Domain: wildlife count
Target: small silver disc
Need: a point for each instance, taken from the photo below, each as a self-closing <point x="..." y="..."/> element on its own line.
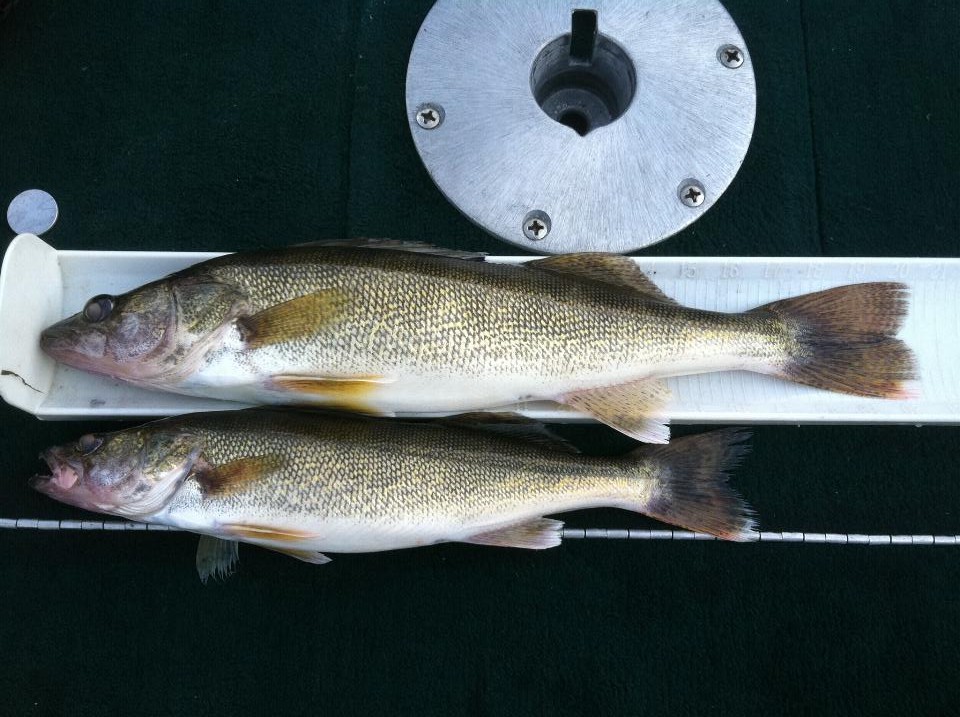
<point x="32" y="212"/>
<point x="623" y="121"/>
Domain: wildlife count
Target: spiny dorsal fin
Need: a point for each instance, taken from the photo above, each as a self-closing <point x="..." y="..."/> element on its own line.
<point x="513" y="425"/>
<point x="297" y="318"/>
<point x="417" y="247"/>
<point x="216" y="557"/>
<point x="233" y="476"/>
<point x="637" y="409"/>
<point x="537" y="534"/>
<point x="607" y="268"/>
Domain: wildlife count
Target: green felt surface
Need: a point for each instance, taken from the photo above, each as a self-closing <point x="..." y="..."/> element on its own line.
<point x="230" y="125"/>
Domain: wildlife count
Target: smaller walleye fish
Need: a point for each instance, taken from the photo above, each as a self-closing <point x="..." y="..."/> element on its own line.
<point x="301" y="483"/>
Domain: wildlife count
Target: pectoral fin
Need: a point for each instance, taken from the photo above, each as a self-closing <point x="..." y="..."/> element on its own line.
<point x="538" y="534"/>
<point x="216" y="557"/>
<point x="295" y="319"/>
<point x="636" y="409"/>
<point x="608" y="268"/>
<point x="229" y="478"/>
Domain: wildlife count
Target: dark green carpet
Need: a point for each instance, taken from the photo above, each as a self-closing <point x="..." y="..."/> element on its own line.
<point x="231" y="125"/>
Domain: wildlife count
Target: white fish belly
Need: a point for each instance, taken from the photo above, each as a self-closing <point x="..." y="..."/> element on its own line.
<point x="362" y="535"/>
<point x="334" y="536"/>
<point x="233" y="376"/>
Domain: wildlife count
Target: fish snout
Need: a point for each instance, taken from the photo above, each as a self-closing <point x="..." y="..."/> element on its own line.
<point x="53" y="341"/>
<point x="66" y="344"/>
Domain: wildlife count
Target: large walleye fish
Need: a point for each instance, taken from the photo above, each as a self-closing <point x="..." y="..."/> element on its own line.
<point x="300" y="483"/>
<point x="389" y="327"/>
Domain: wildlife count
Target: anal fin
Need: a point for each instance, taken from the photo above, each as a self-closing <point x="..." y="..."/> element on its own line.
<point x="637" y="409"/>
<point x="216" y="557"/>
<point x="537" y="534"/>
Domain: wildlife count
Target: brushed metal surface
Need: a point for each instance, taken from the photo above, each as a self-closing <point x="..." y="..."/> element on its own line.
<point x="498" y="156"/>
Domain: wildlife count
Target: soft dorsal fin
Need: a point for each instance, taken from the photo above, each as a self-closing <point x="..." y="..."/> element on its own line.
<point x="417" y="247"/>
<point x="513" y="425"/>
<point x="291" y="320"/>
<point x="607" y="268"/>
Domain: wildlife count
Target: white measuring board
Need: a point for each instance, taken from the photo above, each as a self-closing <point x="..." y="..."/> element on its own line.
<point x="40" y="285"/>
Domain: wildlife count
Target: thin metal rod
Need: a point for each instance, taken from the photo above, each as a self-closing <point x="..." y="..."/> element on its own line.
<point x="37" y="524"/>
<point x="766" y="536"/>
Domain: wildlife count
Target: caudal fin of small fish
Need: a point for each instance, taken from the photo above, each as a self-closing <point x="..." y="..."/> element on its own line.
<point x="692" y="490"/>
<point x="844" y="339"/>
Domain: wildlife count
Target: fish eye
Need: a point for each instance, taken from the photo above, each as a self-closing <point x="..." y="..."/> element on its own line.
<point x="98" y="308"/>
<point x="88" y="444"/>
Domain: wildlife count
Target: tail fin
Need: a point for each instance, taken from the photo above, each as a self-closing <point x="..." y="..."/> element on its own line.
<point x="844" y="339"/>
<point x="691" y="488"/>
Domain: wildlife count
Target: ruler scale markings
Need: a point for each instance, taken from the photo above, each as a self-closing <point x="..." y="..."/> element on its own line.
<point x="765" y="536"/>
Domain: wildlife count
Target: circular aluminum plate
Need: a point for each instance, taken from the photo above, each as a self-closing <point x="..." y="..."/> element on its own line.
<point x="495" y="152"/>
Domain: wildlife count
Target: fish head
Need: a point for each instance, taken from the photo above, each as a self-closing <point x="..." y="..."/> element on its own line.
<point x="147" y="335"/>
<point x="132" y="473"/>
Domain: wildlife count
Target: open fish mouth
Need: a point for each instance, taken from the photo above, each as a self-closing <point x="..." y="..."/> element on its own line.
<point x="64" y="481"/>
<point x="62" y="476"/>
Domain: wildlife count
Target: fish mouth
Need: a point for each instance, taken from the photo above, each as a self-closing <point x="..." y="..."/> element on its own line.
<point x="63" y="474"/>
<point x="63" y="343"/>
<point x="56" y="340"/>
<point x="64" y="482"/>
